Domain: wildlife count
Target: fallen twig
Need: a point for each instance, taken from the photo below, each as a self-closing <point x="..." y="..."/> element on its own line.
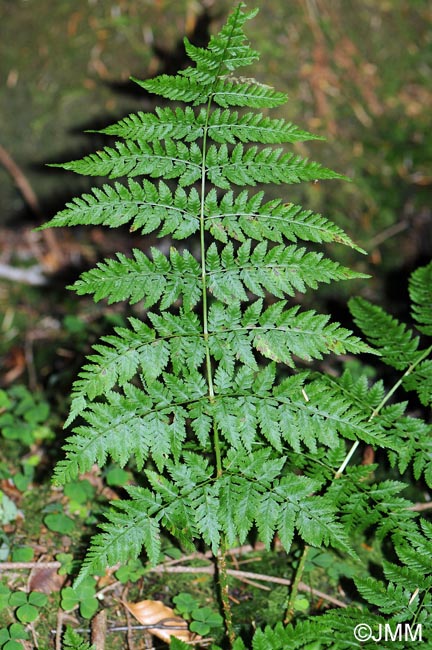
<point x="130" y="627"/>
<point x="420" y="507"/>
<point x="32" y="275"/>
<point x="32" y="201"/>
<point x="12" y="566"/>
<point x="252" y="576"/>
<point x="20" y="181"/>
<point x="170" y="568"/>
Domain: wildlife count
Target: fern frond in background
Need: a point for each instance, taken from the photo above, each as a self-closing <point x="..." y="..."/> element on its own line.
<point x="208" y="395"/>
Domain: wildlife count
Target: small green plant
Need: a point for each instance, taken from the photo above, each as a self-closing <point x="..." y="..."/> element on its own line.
<point x="25" y="419"/>
<point x="59" y="522"/>
<point x="115" y="476"/>
<point x="10" y="637"/>
<point x="79" y="492"/>
<point x="209" y="395"/>
<point x="67" y="563"/>
<point x="130" y="572"/>
<point x="83" y="595"/>
<point x="22" y="554"/>
<point x="27" y="607"/>
<point x="24" y="416"/>
<point x="28" y="604"/>
<point x="5" y="592"/>
<point x="80" y="495"/>
<point x="203" y="620"/>
<point x="73" y="641"/>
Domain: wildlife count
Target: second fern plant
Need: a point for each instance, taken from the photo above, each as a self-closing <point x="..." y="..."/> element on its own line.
<point x="207" y="396"/>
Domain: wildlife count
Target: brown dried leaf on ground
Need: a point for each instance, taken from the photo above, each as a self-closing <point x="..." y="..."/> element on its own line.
<point x="167" y="623"/>
<point x="46" y="579"/>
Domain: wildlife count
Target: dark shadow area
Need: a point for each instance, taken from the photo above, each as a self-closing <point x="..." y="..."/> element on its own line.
<point x="172" y="59"/>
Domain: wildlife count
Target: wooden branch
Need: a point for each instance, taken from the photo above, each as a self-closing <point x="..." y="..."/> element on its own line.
<point x="29" y="196"/>
<point x="170" y="567"/>
<point x="252" y="576"/>
<point x="32" y="275"/>
<point x="20" y="181"/>
<point x="420" y="507"/>
<point x="12" y="566"/>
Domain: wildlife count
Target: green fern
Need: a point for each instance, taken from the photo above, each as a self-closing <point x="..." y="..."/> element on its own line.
<point x="420" y="290"/>
<point x="73" y="641"/>
<point x="207" y="395"/>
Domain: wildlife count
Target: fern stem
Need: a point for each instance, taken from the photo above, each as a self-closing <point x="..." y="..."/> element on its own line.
<point x="209" y="370"/>
<point x="347" y="459"/>
<point x="295" y="586"/>
<point x="224" y="594"/>
<point x="407" y="372"/>
<point x="221" y="556"/>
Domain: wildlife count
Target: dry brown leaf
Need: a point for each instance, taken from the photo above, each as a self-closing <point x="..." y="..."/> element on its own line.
<point x="15" y="363"/>
<point x="46" y="579"/>
<point x="7" y="486"/>
<point x="167" y="623"/>
<point x="99" y="630"/>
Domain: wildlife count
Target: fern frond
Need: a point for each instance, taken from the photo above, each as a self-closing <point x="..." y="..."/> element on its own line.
<point x="308" y="335"/>
<point x="184" y="338"/>
<point x="205" y="507"/>
<point x="117" y="362"/>
<point x="170" y="160"/>
<point x="131" y="525"/>
<point x="330" y="411"/>
<point x="416" y="554"/>
<point x="177" y="160"/>
<point x="283" y="417"/>
<point x="224" y="92"/>
<point x="395" y="342"/>
<point x="193" y="395"/>
<point x="276" y="333"/>
<point x="246" y="93"/>
<point x="177" y="124"/>
<point x="304" y="635"/>
<point x="318" y="525"/>
<point x="226" y="51"/>
<point x="420" y="290"/>
<point x="420" y="380"/>
<point x="73" y="641"/>
<point x="148" y="206"/>
<point x="141" y="278"/>
<point x="221" y="126"/>
<point x="229" y="49"/>
<point x="229" y="126"/>
<point x="260" y="165"/>
<point x="138" y="351"/>
<point x="413" y="436"/>
<point x="280" y="271"/>
<point x="243" y="216"/>
<point x="176" y="88"/>
<point x="127" y="426"/>
<point x="366" y="506"/>
<point x="272" y="508"/>
<point x="407" y="577"/>
<point x="359" y="390"/>
<point x="389" y="598"/>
